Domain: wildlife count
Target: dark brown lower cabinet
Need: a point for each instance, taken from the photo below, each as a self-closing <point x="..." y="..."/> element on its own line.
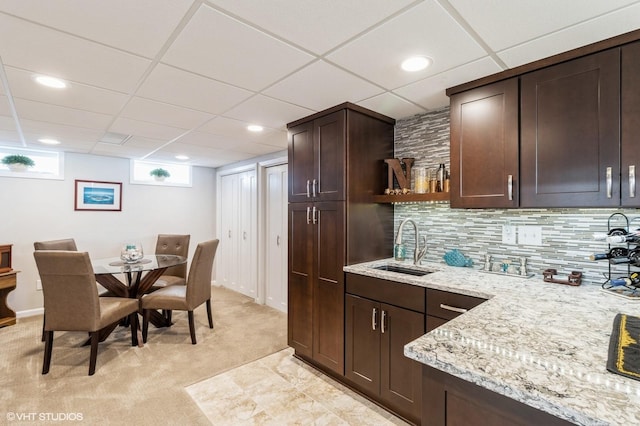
<point x="450" y="401"/>
<point x="375" y="335"/>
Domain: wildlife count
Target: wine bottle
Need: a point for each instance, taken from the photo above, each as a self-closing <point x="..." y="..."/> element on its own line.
<point x="440" y="175"/>
<point x="633" y="258"/>
<point x="614" y="253"/>
<point x="599" y="236"/>
<point x="632" y="280"/>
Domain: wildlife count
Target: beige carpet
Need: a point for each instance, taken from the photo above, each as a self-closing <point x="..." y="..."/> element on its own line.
<point x="133" y="385"/>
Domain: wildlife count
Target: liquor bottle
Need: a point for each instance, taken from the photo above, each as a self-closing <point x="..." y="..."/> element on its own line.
<point x="440" y="175"/>
<point x="632" y="280"/>
<point x="599" y="236"/>
<point x="632" y="258"/>
<point x="614" y="253"/>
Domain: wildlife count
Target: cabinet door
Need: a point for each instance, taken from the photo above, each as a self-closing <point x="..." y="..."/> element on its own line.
<point x="630" y="124"/>
<point x="362" y="337"/>
<point x="246" y="258"/>
<point x="300" y="287"/>
<point x="330" y="157"/>
<point x="301" y="162"/>
<point x="328" y="291"/>
<point x="484" y="146"/>
<point x="401" y="381"/>
<point x="570" y="143"/>
<point x="226" y="269"/>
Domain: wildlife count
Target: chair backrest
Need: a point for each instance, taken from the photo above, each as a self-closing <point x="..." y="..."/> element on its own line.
<point x="174" y="244"/>
<point x="199" y="281"/>
<point x="66" y="244"/>
<point x="70" y="292"/>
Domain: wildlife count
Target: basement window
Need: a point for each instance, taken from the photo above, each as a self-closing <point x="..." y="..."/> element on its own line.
<point x="179" y="174"/>
<point x="48" y="164"/>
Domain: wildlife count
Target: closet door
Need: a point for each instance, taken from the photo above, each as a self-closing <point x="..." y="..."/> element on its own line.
<point x="276" y="241"/>
<point x="246" y="259"/>
<point x="227" y="269"/>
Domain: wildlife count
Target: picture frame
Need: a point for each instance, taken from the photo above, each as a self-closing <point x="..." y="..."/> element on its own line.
<point x="93" y="195"/>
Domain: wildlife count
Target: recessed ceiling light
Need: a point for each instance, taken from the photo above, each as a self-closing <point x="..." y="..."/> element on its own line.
<point x="255" y="128"/>
<point x="416" y="63"/>
<point x="182" y="157"/>
<point x="49" y="141"/>
<point x="56" y="83"/>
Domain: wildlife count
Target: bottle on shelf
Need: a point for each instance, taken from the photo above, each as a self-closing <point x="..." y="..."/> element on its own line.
<point x="618" y="236"/>
<point x="614" y="253"/>
<point x="440" y="175"/>
<point x="633" y="280"/>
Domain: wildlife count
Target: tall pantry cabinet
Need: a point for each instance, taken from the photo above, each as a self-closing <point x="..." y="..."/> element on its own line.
<point x="336" y="166"/>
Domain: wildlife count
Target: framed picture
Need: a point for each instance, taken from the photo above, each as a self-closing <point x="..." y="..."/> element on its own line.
<point x="98" y="196"/>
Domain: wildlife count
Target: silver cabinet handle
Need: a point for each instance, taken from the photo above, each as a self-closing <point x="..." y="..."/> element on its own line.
<point x="244" y="235"/>
<point x="315" y="220"/>
<point x="313" y="187"/>
<point x="609" y="182"/>
<point x="308" y="215"/>
<point x="229" y="233"/>
<point x="384" y="315"/>
<point x="510" y="187"/>
<point x="308" y="193"/>
<point x="278" y="240"/>
<point x="632" y="181"/>
<point x="374" y="313"/>
<point x="452" y="308"/>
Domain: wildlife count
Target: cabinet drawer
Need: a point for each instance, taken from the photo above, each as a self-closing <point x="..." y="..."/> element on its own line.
<point x="444" y="304"/>
<point x="398" y="294"/>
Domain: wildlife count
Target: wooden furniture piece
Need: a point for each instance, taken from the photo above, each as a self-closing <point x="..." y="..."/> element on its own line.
<point x="484" y="146"/>
<point x="72" y="303"/>
<point x="381" y="317"/>
<point x="8" y="282"/>
<point x="443" y="306"/>
<point x="336" y="166"/>
<point x="5" y="258"/>
<point x="185" y="297"/>
<point x="449" y="401"/>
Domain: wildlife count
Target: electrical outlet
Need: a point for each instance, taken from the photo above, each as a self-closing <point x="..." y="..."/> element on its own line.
<point x="508" y="234"/>
<point x="38" y="285"/>
<point x="530" y="235"/>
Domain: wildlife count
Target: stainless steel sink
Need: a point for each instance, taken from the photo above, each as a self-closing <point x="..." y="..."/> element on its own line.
<point x="402" y="270"/>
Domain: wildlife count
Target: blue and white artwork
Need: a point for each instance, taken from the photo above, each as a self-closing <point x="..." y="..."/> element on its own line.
<point x="100" y="196"/>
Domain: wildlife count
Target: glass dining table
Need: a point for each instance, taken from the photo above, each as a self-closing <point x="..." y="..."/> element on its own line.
<point x="139" y="278"/>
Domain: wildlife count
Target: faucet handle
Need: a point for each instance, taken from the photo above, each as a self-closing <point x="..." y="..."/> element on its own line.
<point x="420" y="252"/>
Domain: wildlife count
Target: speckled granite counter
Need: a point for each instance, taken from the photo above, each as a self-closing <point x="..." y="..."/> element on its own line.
<point x="539" y="343"/>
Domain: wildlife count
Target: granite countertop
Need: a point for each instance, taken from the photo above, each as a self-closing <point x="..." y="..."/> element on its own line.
<point x="539" y="343"/>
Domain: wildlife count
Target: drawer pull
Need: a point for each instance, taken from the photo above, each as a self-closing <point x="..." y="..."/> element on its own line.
<point x="374" y="325"/>
<point x="308" y="215"/>
<point x="452" y="308"/>
<point x="313" y="187"/>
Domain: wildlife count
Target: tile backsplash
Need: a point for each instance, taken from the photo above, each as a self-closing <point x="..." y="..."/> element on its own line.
<point x="567" y="234"/>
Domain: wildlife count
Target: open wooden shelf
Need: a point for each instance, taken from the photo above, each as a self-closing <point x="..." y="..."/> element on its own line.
<point x="433" y="197"/>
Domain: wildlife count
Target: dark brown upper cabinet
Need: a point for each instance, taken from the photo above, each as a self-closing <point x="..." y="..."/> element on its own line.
<point x="570" y="137"/>
<point x="630" y="124"/>
<point x="484" y="146"/>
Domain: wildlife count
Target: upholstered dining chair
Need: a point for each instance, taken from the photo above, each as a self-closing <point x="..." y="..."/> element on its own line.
<point x="179" y="246"/>
<point x="64" y="244"/>
<point x="72" y="304"/>
<point x="188" y="297"/>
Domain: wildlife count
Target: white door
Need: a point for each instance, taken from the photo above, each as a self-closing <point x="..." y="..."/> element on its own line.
<point x="247" y="241"/>
<point x="276" y="244"/>
<point x="227" y="268"/>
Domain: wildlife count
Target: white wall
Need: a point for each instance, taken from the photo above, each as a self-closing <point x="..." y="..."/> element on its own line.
<point x="36" y="210"/>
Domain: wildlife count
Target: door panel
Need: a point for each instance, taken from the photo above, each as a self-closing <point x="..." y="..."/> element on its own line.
<point x="247" y="256"/>
<point x="363" y="343"/>
<point x="276" y="244"/>
<point x="300" y="287"/>
<point x="630" y="125"/>
<point x="330" y="156"/>
<point x="300" y="161"/>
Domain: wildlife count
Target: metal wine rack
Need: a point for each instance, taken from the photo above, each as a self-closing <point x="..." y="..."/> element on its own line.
<point x="626" y="290"/>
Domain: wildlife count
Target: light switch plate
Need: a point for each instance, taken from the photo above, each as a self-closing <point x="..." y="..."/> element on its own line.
<point x="530" y="235"/>
<point x="508" y="234"/>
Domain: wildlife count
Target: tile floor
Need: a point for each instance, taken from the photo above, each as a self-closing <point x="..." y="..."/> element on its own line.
<point x="281" y="390"/>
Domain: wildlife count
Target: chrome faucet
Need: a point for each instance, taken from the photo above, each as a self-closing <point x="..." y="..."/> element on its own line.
<point x="418" y="253"/>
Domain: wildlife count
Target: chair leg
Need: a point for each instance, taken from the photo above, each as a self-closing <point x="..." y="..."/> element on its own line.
<point x="209" y="313"/>
<point x="192" y="328"/>
<point x="48" y="346"/>
<point x="43" y="332"/>
<point x="134" y="328"/>
<point x="145" y="324"/>
<point x="95" y="339"/>
<point x="168" y="317"/>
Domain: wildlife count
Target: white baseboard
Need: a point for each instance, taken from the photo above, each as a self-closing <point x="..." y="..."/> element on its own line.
<point x="30" y="313"/>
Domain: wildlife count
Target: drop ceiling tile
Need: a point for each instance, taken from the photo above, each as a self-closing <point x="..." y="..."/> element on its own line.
<point x="140" y="26"/>
<point x="5" y="109"/>
<point x="9" y="138"/>
<point x="320" y="85"/>
<point x="32" y="47"/>
<point x="610" y="25"/>
<point x="391" y="105"/>
<point x="145" y="129"/>
<point x="177" y="87"/>
<point x="69" y="136"/>
<point x="199" y="155"/>
<point x="316" y="26"/>
<point x="236" y="130"/>
<point x="268" y="112"/>
<point x="161" y="113"/>
<point x="7" y="122"/>
<point x="425" y="29"/>
<point x="430" y="92"/>
<point x="505" y="23"/>
<point x="208" y="140"/>
<point x="257" y="149"/>
<point x="48" y="113"/>
<point x="76" y="95"/>
<point x="242" y="56"/>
